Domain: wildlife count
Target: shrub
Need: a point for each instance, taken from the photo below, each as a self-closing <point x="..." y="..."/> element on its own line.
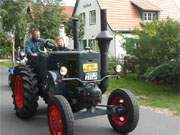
<point x="112" y="63"/>
<point x="130" y="63"/>
<point x="157" y="44"/>
<point x="164" y="73"/>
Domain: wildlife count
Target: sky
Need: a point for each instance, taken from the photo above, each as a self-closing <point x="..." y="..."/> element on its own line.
<point x="70" y="2"/>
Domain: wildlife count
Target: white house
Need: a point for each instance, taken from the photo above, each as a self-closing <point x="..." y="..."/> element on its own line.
<point x="89" y="10"/>
<point x="123" y="16"/>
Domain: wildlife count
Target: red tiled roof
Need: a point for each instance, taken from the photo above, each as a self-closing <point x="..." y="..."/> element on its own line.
<point x="68" y="10"/>
<point x="169" y="8"/>
<point x="145" y="5"/>
<point x="121" y="14"/>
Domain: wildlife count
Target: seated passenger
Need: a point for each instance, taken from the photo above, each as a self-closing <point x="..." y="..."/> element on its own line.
<point x="36" y="43"/>
<point x="60" y="45"/>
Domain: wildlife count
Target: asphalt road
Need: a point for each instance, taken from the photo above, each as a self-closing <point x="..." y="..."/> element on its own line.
<point x="151" y="123"/>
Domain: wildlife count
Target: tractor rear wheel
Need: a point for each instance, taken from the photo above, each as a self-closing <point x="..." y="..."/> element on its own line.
<point x="60" y="116"/>
<point x="127" y="111"/>
<point x="25" y="92"/>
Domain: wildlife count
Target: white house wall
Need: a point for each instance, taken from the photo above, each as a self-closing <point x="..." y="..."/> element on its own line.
<point x="119" y="51"/>
<point x="112" y="47"/>
<point x="91" y="31"/>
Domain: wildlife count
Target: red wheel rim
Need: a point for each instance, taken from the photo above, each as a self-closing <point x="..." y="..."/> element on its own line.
<point x="55" y="120"/>
<point x="119" y="120"/>
<point x="19" y="91"/>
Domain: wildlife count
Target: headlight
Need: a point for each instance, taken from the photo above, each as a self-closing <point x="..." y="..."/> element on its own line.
<point x="63" y="71"/>
<point x="118" y="68"/>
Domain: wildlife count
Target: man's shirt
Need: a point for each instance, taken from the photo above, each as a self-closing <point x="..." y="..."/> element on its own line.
<point x="33" y="46"/>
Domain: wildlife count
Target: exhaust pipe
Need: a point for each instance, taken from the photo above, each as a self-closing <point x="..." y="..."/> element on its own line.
<point x="104" y="38"/>
<point x="75" y="33"/>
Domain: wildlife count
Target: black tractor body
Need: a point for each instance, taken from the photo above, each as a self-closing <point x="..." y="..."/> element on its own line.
<point x="80" y="85"/>
<point x="79" y="63"/>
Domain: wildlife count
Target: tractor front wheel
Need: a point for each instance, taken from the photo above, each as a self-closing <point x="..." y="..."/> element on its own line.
<point x="60" y="116"/>
<point x="126" y="115"/>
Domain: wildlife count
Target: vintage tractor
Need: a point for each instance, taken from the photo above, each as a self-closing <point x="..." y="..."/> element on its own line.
<point x="72" y="84"/>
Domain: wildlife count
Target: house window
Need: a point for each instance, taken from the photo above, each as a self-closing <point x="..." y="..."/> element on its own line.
<point x="83" y="44"/>
<point x="155" y="16"/>
<point x="92" y="17"/>
<point x="145" y="16"/>
<point x="149" y="16"/>
<point x="83" y="17"/>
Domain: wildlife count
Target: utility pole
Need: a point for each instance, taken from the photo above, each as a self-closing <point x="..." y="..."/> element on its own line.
<point x="12" y="36"/>
<point x="13" y="51"/>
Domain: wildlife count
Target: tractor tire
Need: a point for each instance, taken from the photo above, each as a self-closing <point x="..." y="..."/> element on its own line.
<point x="60" y="116"/>
<point x="25" y="92"/>
<point x="126" y="122"/>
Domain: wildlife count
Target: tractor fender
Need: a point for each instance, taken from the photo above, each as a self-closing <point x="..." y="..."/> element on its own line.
<point x="53" y="75"/>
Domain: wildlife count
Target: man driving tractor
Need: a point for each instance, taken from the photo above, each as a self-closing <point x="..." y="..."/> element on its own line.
<point x="36" y="43"/>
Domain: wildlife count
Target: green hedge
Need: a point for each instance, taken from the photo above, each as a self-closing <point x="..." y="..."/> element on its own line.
<point x="156" y="50"/>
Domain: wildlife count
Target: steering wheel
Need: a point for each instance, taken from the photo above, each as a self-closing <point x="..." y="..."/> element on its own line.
<point x="46" y="50"/>
<point x="42" y="51"/>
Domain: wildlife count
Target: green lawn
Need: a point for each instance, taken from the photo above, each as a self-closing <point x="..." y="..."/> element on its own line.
<point x="5" y="63"/>
<point x="161" y="97"/>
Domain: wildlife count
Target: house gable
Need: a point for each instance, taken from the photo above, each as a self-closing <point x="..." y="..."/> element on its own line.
<point x="145" y="5"/>
<point x="121" y="15"/>
<point x="169" y="8"/>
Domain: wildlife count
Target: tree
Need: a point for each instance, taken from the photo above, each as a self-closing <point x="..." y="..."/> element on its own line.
<point x="68" y="27"/>
<point x="14" y="19"/>
<point x="5" y="46"/>
<point x="48" y="19"/>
